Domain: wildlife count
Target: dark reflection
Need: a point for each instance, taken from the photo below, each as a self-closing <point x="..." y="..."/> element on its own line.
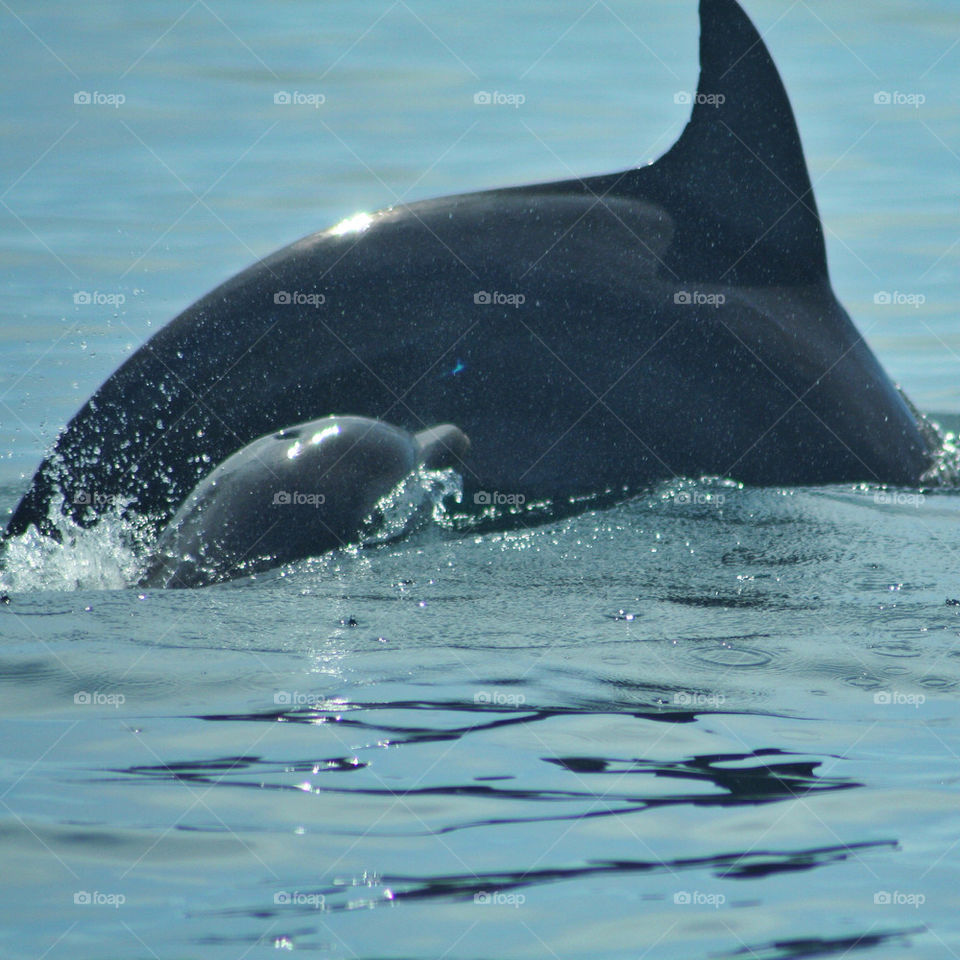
<point x="759" y="777"/>
<point x="763" y="601"/>
<point x="403" y="734"/>
<point x="506" y="715"/>
<point x="731" y="600"/>
<point x="745" y="556"/>
<point x="399" y="888"/>
<point x="207" y="771"/>
<point x="736" y="865"/>
<point x="759" y="783"/>
<point x="822" y="947"/>
<point x="582" y="787"/>
<point x="25" y="671"/>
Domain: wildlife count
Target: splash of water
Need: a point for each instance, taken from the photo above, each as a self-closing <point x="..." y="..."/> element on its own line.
<point x="417" y="501"/>
<point x="107" y="556"/>
<point x="115" y="553"/>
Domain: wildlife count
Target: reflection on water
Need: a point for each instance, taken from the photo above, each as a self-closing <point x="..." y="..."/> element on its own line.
<point x="572" y="735"/>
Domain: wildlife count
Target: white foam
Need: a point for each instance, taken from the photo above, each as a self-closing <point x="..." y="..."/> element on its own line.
<point x="107" y="556"/>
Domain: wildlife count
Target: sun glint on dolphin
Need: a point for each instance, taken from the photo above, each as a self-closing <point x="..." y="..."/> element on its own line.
<point x="589" y="335"/>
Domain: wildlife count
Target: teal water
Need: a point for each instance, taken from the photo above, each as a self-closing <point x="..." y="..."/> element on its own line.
<point x="711" y="722"/>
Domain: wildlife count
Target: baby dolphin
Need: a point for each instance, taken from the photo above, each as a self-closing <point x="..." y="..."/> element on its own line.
<point x="294" y="494"/>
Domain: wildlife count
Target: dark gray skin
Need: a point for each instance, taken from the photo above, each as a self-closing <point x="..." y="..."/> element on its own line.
<point x="298" y="493"/>
<point x="604" y="379"/>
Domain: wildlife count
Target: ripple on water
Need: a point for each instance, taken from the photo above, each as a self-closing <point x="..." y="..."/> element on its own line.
<point x="896" y="649"/>
<point x="726" y="655"/>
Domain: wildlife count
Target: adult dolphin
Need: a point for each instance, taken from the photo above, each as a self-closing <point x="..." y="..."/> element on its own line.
<point x="293" y="494"/>
<point x="588" y="335"/>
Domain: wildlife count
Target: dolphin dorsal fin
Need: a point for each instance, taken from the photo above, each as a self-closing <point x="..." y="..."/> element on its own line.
<point x="736" y="181"/>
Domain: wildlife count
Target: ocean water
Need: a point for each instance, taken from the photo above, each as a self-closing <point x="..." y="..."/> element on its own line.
<point x="708" y="722"/>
